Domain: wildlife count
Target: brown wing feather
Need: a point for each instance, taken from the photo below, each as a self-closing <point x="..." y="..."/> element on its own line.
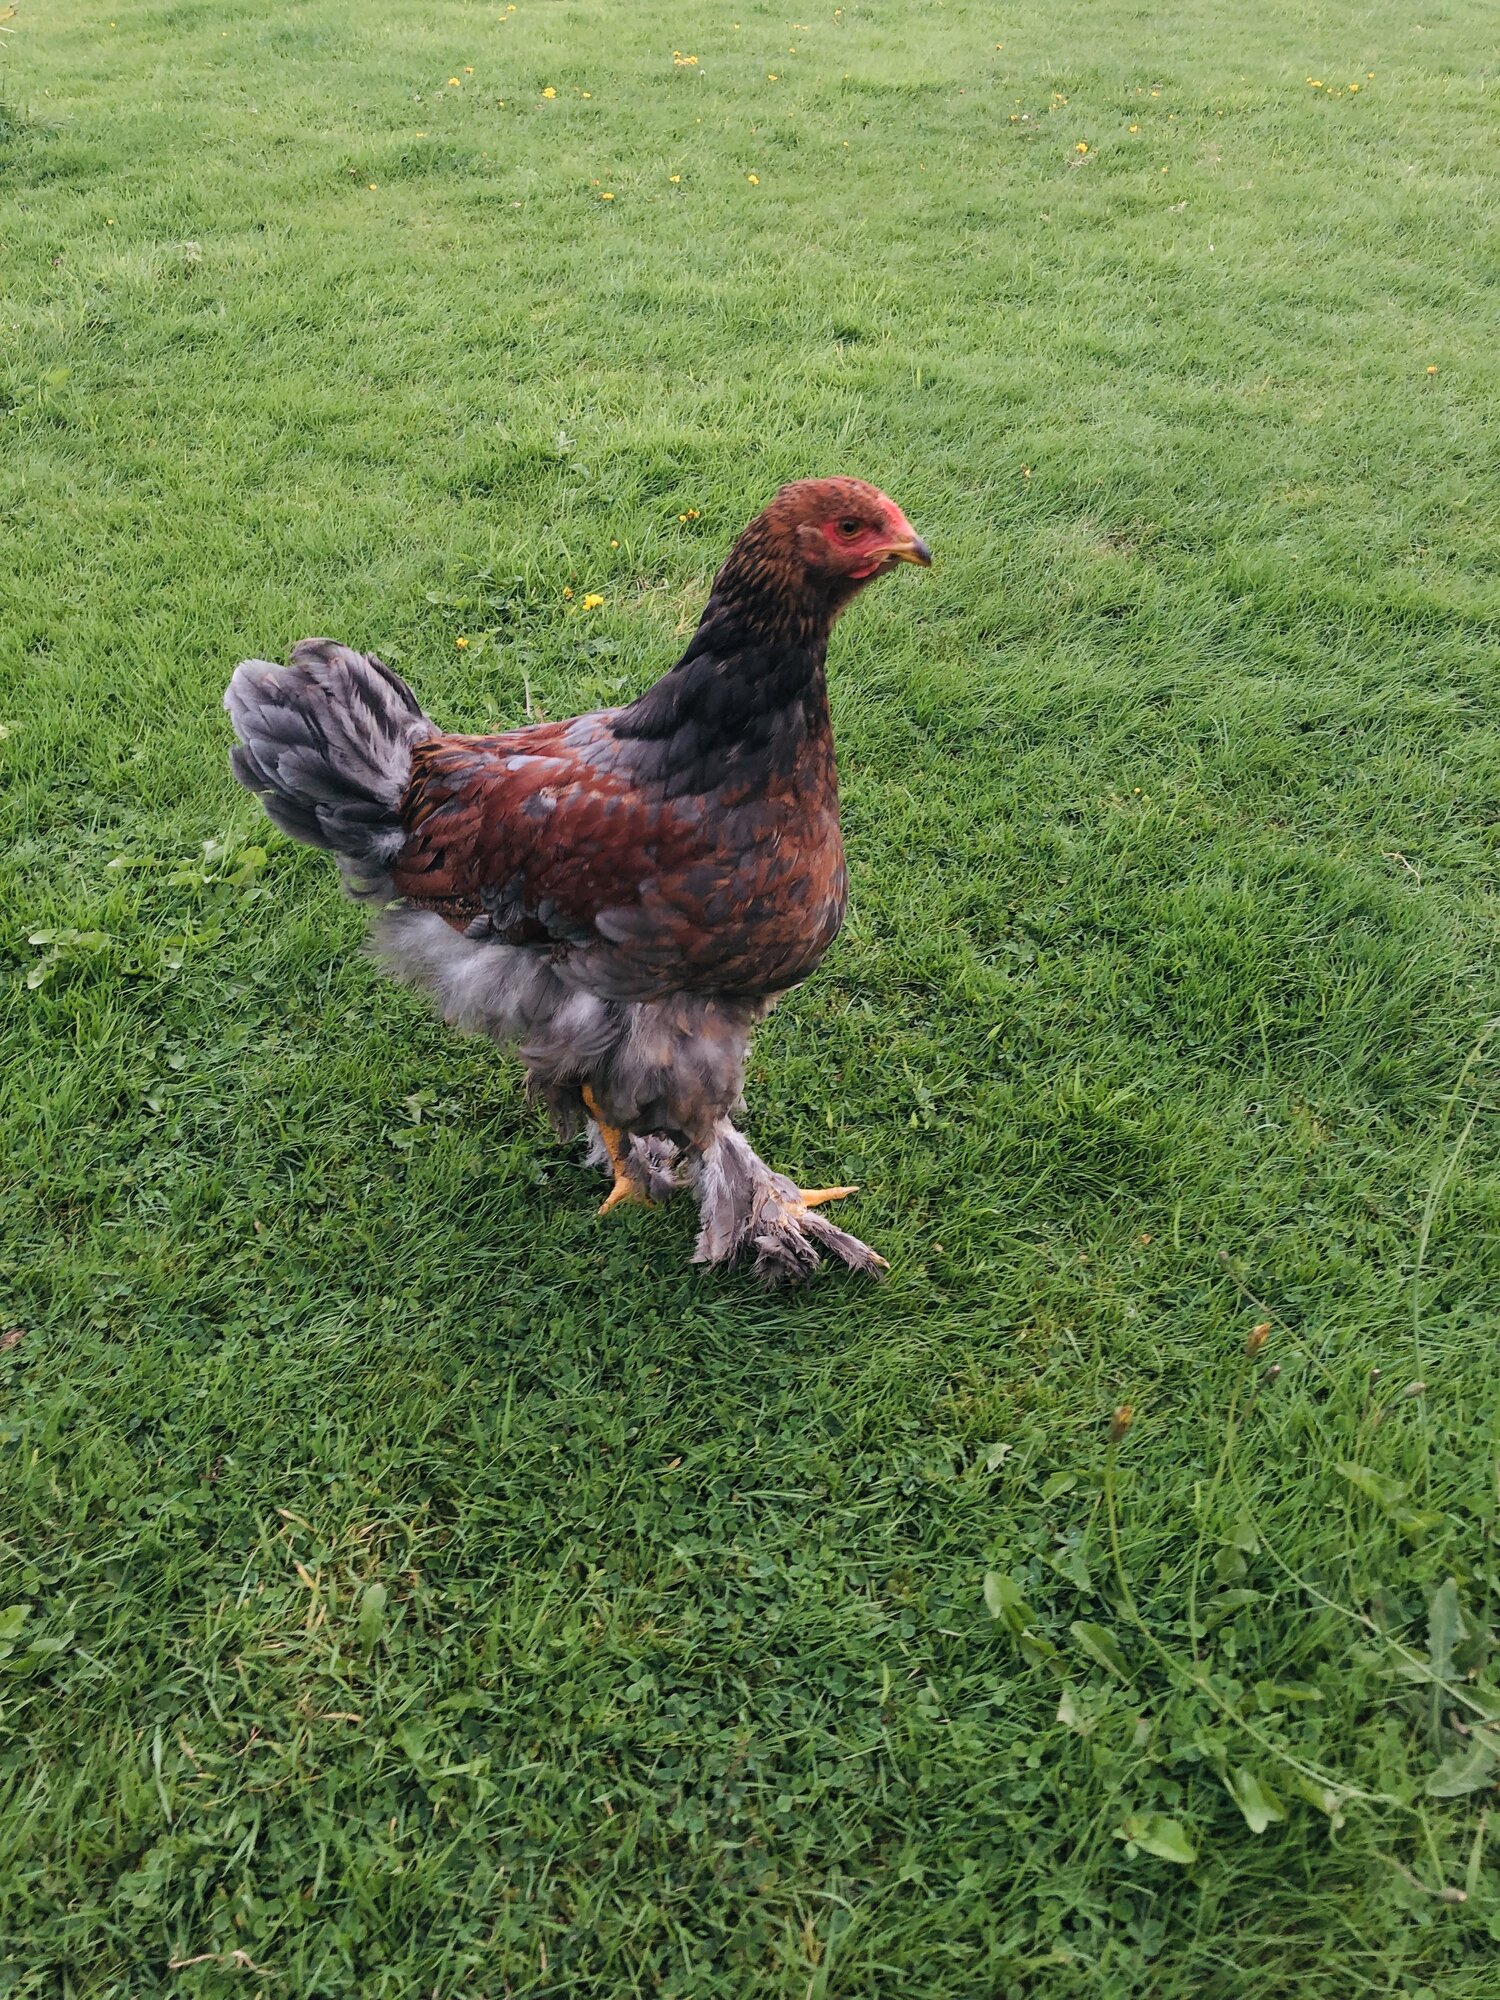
<point x="556" y="837"/>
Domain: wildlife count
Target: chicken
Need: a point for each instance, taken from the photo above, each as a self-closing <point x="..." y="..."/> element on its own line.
<point x="621" y="897"/>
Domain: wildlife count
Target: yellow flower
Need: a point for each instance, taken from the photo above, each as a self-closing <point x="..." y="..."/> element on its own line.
<point x="771" y="77"/>
<point x="460" y="643"/>
<point x="1135" y="128"/>
<point x="373" y="186"/>
<point x="421" y="135"/>
<point x="454" y="84"/>
<point x="588" y="93"/>
<point x="566" y="591"/>
<point x="549" y="91"/>
<point x="607" y="195"/>
<point x="1432" y="370"/>
<point x="468" y="69"/>
<point x="754" y="180"/>
<point x="1082" y="146"/>
<point x="614" y="545"/>
<point x="1315" y="83"/>
<point x="592" y="600"/>
<point x="1352" y="88"/>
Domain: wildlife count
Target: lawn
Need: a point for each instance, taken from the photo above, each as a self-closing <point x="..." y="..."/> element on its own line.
<point x="420" y="1586"/>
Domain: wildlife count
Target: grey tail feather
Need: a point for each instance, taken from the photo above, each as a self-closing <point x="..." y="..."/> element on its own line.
<point x="326" y="742"/>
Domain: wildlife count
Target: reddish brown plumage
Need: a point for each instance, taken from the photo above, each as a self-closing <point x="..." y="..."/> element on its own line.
<point x="689" y="842"/>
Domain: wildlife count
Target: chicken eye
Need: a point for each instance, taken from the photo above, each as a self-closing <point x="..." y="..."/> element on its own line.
<point x="849" y="527"/>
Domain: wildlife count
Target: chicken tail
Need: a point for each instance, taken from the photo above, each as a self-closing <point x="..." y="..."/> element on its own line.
<point x="326" y="742"/>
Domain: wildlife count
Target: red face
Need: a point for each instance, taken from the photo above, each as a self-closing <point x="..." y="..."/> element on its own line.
<point x="846" y="529"/>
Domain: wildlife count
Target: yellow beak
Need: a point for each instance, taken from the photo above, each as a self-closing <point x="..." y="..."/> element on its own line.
<point x="915" y="550"/>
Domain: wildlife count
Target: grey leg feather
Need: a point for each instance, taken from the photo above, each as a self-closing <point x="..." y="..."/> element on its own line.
<point x="748" y="1209"/>
<point x="652" y="1163"/>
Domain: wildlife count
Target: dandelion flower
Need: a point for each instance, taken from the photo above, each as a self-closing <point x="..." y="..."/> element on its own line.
<point x="675" y="179"/>
<point x="1432" y="370"/>
<point x="1352" y="88"/>
<point x="549" y="91"/>
<point x="592" y="600"/>
<point x="614" y="545"/>
<point x="588" y="93"/>
<point x="771" y="77"/>
<point x="373" y="186"/>
<point x="454" y="84"/>
<point x="607" y="195"/>
<point x="754" y="180"/>
<point x="1082" y="146"/>
<point x="566" y="591"/>
<point x="460" y="643"/>
<point x="1135" y="128"/>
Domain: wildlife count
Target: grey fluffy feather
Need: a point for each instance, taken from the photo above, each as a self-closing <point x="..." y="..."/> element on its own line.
<point x="326" y="742"/>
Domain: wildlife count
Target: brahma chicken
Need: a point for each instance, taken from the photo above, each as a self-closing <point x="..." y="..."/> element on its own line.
<point x="620" y="897"/>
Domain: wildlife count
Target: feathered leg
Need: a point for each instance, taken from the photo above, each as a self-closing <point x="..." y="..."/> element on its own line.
<point x="617" y="1145"/>
<point x="645" y="1169"/>
<point x="749" y="1209"/>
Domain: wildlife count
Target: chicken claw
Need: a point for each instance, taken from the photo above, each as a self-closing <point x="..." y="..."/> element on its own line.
<point x="625" y="1190"/>
<point x="617" y="1144"/>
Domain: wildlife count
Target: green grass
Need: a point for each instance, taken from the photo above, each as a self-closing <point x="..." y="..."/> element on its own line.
<point x="1171" y="797"/>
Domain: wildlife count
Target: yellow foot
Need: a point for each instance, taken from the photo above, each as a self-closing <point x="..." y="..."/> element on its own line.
<point x="616" y="1144"/>
<point x="815" y="1197"/>
<point x="624" y="1189"/>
